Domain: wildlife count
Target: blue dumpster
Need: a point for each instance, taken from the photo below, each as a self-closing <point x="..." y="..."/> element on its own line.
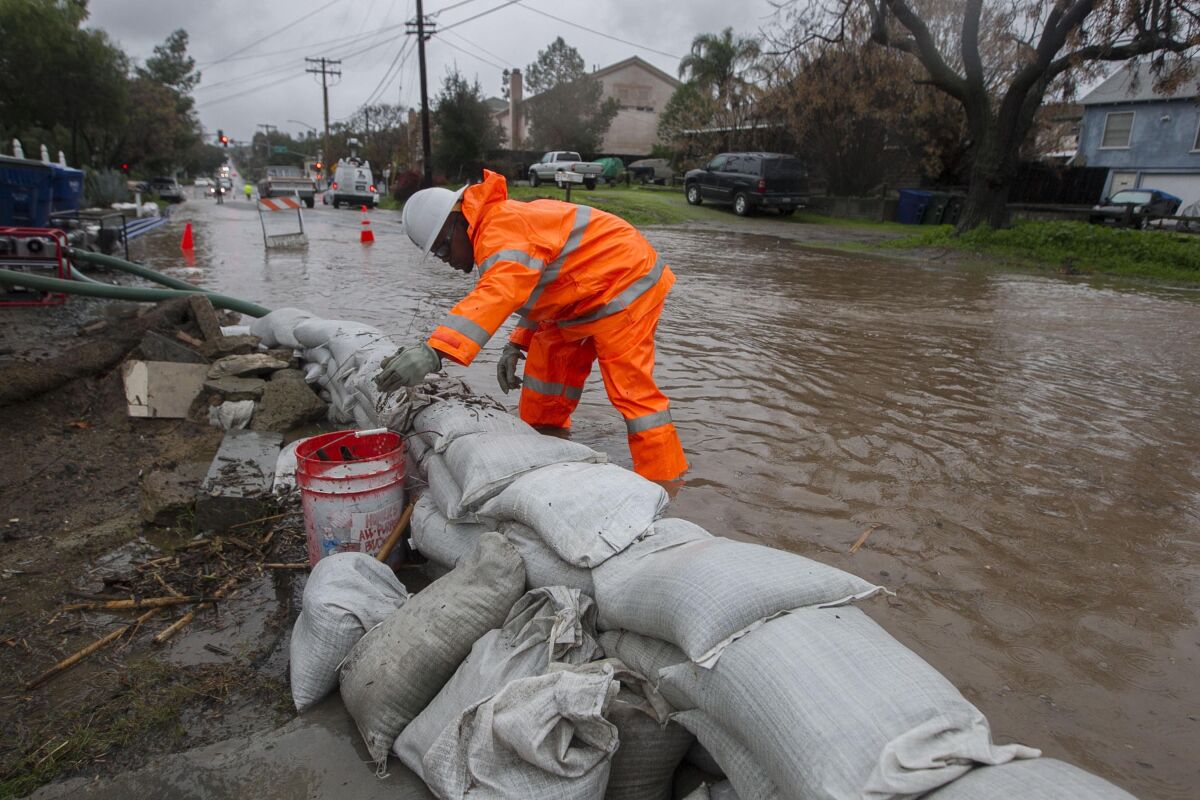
<point x="26" y="189"/>
<point x="67" y="192"/>
<point x="912" y="205"/>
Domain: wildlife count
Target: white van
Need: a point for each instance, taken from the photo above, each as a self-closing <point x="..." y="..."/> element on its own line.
<point x="352" y="185"/>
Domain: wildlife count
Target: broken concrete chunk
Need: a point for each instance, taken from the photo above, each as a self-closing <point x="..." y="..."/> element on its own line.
<point x="287" y="403"/>
<point x="161" y="388"/>
<point x="167" y="494"/>
<point x="237" y="487"/>
<point x="231" y="388"/>
<point x="231" y="346"/>
<point x="245" y="366"/>
<point x="156" y="347"/>
<point x="206" y="317"/>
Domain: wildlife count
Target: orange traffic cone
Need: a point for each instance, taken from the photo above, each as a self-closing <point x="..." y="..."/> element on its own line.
<point x="186" y="244"/>
<point x="367" y="236"/>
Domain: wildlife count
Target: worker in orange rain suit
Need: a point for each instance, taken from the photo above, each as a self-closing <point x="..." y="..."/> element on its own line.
<point x="587" y="287"/>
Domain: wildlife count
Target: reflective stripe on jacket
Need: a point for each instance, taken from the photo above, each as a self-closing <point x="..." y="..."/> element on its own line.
<point x="551" y="262"/>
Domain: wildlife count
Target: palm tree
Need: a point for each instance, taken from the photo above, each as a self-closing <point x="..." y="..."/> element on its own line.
<point x="723" y="65"/>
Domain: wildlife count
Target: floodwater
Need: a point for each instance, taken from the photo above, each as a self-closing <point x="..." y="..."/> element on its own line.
<point x="1023" y="449"/>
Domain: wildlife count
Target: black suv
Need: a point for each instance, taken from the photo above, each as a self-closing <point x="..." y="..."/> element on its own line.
<point x="750" y="181"/>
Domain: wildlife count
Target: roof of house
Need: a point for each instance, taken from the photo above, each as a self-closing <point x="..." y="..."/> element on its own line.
<point x="1135" y="84"/>
<point x="641" y="62"/>
<point x="495" y="104"/>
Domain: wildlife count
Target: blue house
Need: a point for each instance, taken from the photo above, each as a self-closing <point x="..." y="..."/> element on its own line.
<point x="1145" y="138"/>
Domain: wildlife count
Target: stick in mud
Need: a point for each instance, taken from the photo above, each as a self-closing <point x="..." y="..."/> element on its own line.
<point x="179" y="624"/>
<point x="862" y="538"/>
<point x="80" y="655"/>
<point x="396" y="533"/>
<point x="145" y="602"/>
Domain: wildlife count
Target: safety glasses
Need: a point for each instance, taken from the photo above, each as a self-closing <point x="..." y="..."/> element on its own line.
<point x="442" y="249"/>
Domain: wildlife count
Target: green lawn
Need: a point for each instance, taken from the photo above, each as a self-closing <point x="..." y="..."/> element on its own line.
<point x="1072" y="247"/>
<point x="637" y="205"/>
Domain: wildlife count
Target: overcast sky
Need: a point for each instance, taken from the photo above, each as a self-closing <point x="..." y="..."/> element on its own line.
<point x="249" y="80"/>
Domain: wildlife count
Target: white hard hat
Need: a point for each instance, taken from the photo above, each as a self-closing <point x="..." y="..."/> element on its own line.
<point x="425" y="213"/>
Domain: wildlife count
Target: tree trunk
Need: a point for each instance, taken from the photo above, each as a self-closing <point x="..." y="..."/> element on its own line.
<point x="992" y="170"/>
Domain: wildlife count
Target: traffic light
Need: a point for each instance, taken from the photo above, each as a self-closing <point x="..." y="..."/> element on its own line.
<point x="125" y="168"/>
<point x="319" y="166"/>
<point x="222" y="138"/>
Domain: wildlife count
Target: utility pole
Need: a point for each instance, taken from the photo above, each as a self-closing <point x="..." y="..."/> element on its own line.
<point x="425" y="29"/>
<point x="326" y="71"/>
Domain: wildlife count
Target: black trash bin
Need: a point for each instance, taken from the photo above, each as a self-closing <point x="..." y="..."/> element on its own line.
<point x="936" y="210"/>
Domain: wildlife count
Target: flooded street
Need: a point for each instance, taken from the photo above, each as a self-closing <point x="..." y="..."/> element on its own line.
<point x="1023" y="450"/>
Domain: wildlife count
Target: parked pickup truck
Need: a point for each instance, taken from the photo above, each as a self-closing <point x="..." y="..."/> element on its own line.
<point x="288" y="181"/>
<point x="567" y="163"/>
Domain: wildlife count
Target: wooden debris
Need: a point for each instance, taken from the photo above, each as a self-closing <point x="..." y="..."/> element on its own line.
<point x="862" y="538"/>
<point x="290" y="565"/>
<point x="182" y="622"/>
<point x="396" y="533"/>
<point x="80" y="655"/>
<point x="262" y="519"/>
<point x="145" y="602"/>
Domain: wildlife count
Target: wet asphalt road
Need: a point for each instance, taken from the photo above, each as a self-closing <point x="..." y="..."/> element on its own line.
<point x="1023" y="449"/>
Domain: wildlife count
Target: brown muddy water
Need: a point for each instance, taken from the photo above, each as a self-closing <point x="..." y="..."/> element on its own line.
<point x="1023" y="449"/>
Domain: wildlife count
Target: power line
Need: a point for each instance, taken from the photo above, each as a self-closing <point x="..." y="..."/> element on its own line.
<point x="251" y="90"/>
<point x="589" y="30"/>
<point x="451" y="7"/>
<point x="291" y="24"/>
<point x="480" y="14"/>
<point x="480" y="48"/>
<point x="388" y="76"/>
<point x="475" y="56"/>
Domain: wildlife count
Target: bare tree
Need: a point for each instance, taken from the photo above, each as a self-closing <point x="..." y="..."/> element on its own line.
<point x="1003" y="56"/>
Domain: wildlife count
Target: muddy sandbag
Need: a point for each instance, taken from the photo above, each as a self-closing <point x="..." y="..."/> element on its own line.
<point x="346" y="595"/>
<point x="546" y="625"/>
<point x="651" y="745"/>
<point x="402" y="663"/>
<point x="277" y="329"/>
<point x="746" y="778"/>
<point x="586" y="513"/>
<point x="702" y="760"/>
<point x="1030" y="779"/>
<point x="723" y="791"/>
<point x="441" y="541"/>
<point x="543" y="567"/>
<point x="446" y="493"/>
<point x="539" y="737"/>
<point x="443" y="422"/>
<point x="833" y="707"/>
<point x="483" y="464"/>
<point x="705" y="593"/>
<point x="646" y="656"/>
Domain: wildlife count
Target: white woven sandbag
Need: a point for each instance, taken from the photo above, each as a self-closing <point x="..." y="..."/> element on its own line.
<point x="545" y="625"/>
<point x="440" y="540"/>
<point x="651" y="745"/>
<point x="747" y="780"/>
<point x="539" y="737"/>
<point x="276" y="329"/>
<point x="402" y="663"/>
<point x="445" y="421"/>
<point x="446" y="493"/>
<point x="483" y="464"/>
<point x="702" y="760"/>
<point x="703" y="594"/>
<point x="1030" y="779"/>
<point x="647" y="657"/>
<point x="586" y="513"/>
<point x="833" y="707"/>
<point x="346" y="594"/>
<point x="543" y="567"/>
<point x="723" y="791"/>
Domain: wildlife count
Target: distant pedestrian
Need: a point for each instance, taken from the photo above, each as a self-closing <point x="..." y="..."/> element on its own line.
<point x="249" y="190"/>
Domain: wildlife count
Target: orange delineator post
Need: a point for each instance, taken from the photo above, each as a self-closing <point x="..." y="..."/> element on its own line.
<point x="368" y="236"/>
<point x="186" y="244"/>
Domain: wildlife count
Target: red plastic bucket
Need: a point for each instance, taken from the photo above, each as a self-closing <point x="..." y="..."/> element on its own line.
<point x="351" y="490"/>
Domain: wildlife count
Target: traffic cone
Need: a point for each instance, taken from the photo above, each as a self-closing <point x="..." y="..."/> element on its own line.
<point x="367" y="236"/>
<point x="186" y="245"/>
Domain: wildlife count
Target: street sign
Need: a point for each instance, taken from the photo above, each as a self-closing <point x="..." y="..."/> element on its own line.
<point x="279" y="148"/>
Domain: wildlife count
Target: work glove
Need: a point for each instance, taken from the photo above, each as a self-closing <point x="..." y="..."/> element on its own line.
<point x="506" y="368"/>
<point x="408" y="366"/>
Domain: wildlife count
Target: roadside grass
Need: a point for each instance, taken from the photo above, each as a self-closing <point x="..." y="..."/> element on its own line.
<point x="636" y="205"/>
<point x="1071" y="247"/>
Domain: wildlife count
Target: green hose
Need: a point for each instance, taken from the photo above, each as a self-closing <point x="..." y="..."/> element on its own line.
<point x="126" y="292"/>
<point x="135" y="269"/>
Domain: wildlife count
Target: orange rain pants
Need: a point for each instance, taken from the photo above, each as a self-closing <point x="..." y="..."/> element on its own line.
<point x="557" y="367"/>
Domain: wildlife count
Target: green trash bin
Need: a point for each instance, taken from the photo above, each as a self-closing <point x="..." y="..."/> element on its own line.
<point x="936" y="209"/>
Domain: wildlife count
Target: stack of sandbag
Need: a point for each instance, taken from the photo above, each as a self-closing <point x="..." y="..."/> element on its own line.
<point x="402" y="663"/>
<point x="346" y="595"/>
<point x="650" y="745"/>
<point x="540" y="737"/>
<point x="822" y="703"/>
<point x="1036" y="779"/>
<point x="548" y="625"/>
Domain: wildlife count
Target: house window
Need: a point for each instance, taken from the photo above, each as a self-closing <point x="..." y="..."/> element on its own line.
<point x="1118" y="129"/>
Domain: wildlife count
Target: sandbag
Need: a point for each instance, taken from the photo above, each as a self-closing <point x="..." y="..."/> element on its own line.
<point x="1030" y="779"/>
<point x="442" y="541"/>
<point x="647" y="657"/>
<point x="546" y="625"/>
<point x="483" y="464"/>
<point x="444" y="422"/>
<point x="650" y="744"/>
<point x="747" y="780"/>
<point x="402" y="663"/>
<point x="703" y="594"/>
<point x="543" y="567"/>
<point x="446" y="493"/>
<point x="276" y="329"/>
<point x="702" y="760"/>
<point x="539" y="737"/>
<point x="723" y="791"/>
<point x="346" y="595"/>
<point x="833" y="707"/>
<point x="586" y="513"/>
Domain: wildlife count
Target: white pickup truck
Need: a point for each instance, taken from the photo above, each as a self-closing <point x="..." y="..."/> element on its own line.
<point x="564" y="166"/>
<point x="282" y="181"/>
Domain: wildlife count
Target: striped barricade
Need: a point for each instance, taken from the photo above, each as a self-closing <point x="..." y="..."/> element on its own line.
<point x="267" y="206"/>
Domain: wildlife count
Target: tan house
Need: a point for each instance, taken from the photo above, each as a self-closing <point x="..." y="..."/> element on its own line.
<point x="640" y="88"/>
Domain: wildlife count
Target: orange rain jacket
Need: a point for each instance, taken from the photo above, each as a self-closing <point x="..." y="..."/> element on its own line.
<point x="583" y="270"/>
